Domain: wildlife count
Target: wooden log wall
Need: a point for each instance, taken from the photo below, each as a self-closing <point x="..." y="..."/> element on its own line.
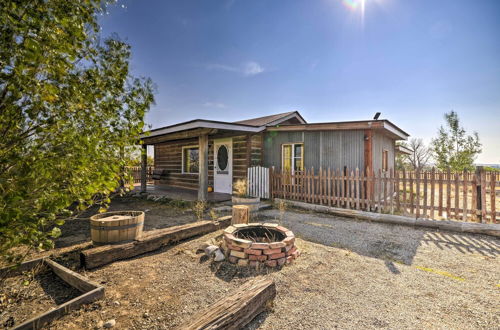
<point x="247" y="150"/>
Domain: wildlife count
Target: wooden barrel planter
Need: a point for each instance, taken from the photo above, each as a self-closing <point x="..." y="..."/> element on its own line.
<point x="116" y="227"/>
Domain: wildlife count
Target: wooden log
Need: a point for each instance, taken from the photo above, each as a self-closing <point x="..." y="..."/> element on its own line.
<point x="76" y="280"/>
<point x="150" y="241"/>
<point x="17" y="269"/>
<point x="236" y="310"/>
<point x="241" y="214"/>
<point x="40" y="320"/>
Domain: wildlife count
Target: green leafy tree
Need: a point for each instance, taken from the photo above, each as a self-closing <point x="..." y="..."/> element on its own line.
<point x="453" y="148"/>
<point x="69" y="110"/>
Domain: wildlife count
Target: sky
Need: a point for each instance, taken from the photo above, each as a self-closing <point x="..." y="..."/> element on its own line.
<point x="332" y="60"/>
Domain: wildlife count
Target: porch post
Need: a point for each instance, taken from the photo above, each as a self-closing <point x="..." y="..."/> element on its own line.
<point x="144" y="167"/>
<point x="203" y="167"/>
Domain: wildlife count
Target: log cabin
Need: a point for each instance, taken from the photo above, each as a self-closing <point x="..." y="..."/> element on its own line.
<point x="211" y="155"/>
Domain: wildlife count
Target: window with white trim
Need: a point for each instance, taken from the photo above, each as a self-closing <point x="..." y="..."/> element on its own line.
<point x="190" y="160"/>
<point x="292" y="157"/>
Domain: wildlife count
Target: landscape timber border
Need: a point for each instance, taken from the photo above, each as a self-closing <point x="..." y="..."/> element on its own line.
<point x="457" y="226"/>
<point x="90" y="291"/>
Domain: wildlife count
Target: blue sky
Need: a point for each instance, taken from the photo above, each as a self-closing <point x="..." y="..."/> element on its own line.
<point x="236" y="59"/>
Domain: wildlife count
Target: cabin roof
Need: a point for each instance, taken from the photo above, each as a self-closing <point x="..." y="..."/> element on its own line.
<point x="272" y="119"/>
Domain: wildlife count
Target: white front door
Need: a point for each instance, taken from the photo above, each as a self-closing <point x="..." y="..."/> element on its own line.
<point x="223" y="165"/>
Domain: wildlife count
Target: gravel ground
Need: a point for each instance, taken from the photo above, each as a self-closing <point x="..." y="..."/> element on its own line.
<point x="351" y="274"/>
<point x="421" y="279"/>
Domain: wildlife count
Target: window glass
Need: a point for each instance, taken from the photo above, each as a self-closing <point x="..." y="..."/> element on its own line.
<point x="190" y="160"/>
<point x="287" y="157"/>
<point x="385" y="160"/>
<point x="298" y="150"/>
<point x="293" y="159"/>
<point x="222" y="157"/>
<point x="298" y="163"/>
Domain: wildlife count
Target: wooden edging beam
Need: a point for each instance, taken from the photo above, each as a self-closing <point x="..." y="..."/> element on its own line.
<point x="457" y="226"/>
<point x="91" y="291"/>
<point x="236" y="310"/>
<point x="150" y="241"/>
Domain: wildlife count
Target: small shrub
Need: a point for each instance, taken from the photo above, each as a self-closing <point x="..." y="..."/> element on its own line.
<point x="240" y="188"/>
<point x="199" y="209"/>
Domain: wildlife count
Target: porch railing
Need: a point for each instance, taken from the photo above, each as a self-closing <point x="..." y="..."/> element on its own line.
<point x="135" y="171"/>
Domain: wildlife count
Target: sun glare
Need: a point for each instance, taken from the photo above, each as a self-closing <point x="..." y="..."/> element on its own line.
<point x="356" y="6"/>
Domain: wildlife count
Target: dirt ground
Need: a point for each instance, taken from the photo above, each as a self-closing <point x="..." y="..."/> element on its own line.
<point x="354" y="275"/>
<point x="23" y="297"/>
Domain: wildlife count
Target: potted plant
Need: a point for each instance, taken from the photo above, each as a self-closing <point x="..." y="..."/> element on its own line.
<point x="240" y="196"/>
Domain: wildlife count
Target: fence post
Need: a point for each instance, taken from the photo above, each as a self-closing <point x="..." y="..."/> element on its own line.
<point x="479" y="193"/>
<point x="144" y="164"/>
<point x="271" y="182"/>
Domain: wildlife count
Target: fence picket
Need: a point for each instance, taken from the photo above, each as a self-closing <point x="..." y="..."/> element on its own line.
<point x="464" y="195"/>
<point x="492" y="196"/>
<point x="352" y="189"/>
<point x="482" y="177"/>
<point x="425" y="208"/>
<point x="433" y="180"/>
<point x="405" y="201"/>
<point x="457" y="196"/>
<point x="448" y="194"/>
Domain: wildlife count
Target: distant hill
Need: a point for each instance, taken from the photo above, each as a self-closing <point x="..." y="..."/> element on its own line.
<point x="489" y="165"/>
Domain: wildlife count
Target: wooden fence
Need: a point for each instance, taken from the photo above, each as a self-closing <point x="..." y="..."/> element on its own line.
<point x="465" y="196"/>
<point x="135" y="171"/>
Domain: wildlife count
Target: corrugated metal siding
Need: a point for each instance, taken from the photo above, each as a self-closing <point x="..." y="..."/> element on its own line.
<point x="382" y="142"/>
<point x="272" y="146"/>
<point x="326" y="149"/>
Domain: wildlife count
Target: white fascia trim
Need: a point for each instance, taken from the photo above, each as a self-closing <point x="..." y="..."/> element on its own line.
<point x="204" y="124"/>
<point x="292" y="115"/>
<point x="395" y="131"/>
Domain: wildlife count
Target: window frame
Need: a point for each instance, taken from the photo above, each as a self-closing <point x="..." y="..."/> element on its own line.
<point x="385" y="160"/>
<point x="292" y="144"/>
<point x="183" y="161"/>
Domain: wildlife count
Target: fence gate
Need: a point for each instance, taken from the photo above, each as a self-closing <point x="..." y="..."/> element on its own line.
<point x="258" y="182"/>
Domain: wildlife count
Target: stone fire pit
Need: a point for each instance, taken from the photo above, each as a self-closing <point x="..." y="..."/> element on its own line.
<point x="256" y="244"/>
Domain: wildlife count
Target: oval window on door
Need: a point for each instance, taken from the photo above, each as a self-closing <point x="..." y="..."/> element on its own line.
<point x="222" y="158"/>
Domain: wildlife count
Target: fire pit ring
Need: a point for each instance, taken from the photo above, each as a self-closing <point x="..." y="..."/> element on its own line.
<point x="256" y="244"/>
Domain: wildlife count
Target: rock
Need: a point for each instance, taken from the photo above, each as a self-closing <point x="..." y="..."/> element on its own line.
<point x="219" y="256"/>
<point x="109" y="324"/>
<point x="145" y="315"/>
<point x="116" y="303"/>
<point x="209" y="250"/>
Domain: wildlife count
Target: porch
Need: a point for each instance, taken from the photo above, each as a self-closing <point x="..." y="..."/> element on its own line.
<point x="197" y="155"/>
<point x="178" y="193"/>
